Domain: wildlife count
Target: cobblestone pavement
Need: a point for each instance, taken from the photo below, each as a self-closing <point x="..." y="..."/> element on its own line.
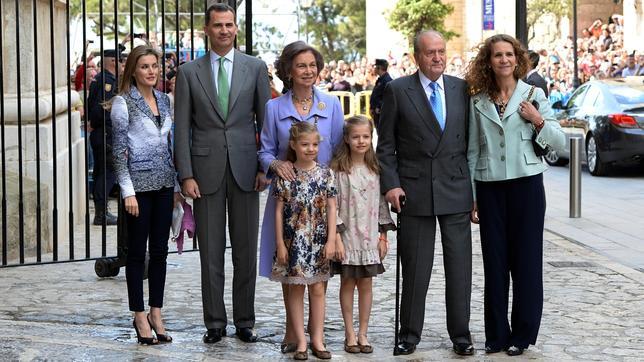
<point x="593" y="311"/>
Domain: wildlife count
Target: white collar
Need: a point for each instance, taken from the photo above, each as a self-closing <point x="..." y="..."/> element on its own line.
<point x="426" y="81"/>
<point x="214" y="57"/>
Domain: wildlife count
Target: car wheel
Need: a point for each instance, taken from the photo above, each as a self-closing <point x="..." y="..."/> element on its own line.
<point x="553" y="159"/>
<point x="595" y="164"/>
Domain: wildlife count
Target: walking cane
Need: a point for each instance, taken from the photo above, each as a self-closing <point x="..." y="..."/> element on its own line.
<point x="402" y="203"/>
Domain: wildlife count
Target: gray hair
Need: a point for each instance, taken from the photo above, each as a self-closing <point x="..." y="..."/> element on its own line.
<point x="422" y="33"/>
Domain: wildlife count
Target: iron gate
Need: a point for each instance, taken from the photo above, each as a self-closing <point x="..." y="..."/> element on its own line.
<point x="46" y="214"/>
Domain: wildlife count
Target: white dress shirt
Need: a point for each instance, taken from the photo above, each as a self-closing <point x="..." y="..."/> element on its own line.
<point x="228" y="64"/>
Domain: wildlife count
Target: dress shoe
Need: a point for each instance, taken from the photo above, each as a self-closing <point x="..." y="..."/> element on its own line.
<point x="321" y="354"/>
<point x="286" y="347"/>
<point x="246" y="334"/>
<point x="163" y="338"/>
<point x="109" y="219"/>
<point x="351" y="348"/>
<point x="143" y="340"/>
<point x="301" y="355"/>
<point x="404" y="348"/>
<point x="463" y="349"/>
<point x="514" y="351"/>
<point x="490" y="349"/>
<point x="214" y="335"/>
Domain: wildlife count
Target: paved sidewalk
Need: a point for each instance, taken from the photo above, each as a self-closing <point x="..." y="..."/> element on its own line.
<point x="611" y="213"/>
<point x="593" y="311"/>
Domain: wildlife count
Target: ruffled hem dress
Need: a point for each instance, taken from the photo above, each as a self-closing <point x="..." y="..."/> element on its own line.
<point x="362" y="214"/>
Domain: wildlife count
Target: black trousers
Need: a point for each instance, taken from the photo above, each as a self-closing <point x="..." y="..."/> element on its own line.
<point x="102" y="173"/>
<point x="153" y="224"/>
<point x="511" y="215"/>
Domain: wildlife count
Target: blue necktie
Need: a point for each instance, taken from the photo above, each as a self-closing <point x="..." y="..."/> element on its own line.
<point x="437" y="105"/>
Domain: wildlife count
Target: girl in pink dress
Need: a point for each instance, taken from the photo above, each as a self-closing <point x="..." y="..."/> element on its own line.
<point x="363" y="221"/>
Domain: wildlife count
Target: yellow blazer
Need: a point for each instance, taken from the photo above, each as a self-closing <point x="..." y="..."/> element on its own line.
<point x="501" y="149"/>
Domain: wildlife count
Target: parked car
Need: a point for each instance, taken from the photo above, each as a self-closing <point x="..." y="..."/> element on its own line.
<point x="609" y="117"/>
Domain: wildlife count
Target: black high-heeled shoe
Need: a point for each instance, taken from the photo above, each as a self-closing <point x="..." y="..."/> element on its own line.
<point x="144" y="340"/>
<point x="162" y="338"/>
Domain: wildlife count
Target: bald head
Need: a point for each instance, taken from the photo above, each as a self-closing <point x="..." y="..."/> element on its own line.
<point x="423" y="34"/>
<point x="430" y="53"/>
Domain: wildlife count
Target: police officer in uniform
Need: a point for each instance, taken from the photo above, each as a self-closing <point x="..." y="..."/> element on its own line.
<point x="375" y="101"/>
<point x="102" y="89"/>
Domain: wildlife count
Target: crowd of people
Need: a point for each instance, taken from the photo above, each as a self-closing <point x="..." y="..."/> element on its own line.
<point x="214" y="130"/>
<point x="601" y="55"/>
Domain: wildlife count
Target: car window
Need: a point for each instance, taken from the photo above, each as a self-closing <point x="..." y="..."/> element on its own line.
<point x="627" y="96"/>
<point x="590" y="100"/>
<point x="577" y="97"/>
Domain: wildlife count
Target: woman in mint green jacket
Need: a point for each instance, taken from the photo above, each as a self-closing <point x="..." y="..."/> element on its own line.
<point x="508" y="188"/>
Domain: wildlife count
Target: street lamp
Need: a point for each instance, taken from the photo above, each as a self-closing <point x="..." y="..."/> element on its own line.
<point x="306" y="5"/>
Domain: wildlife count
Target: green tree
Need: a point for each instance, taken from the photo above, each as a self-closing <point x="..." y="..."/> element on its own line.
<point x="412" y="16"/>
<point x="338" y="28"/>
<point x="539" y="8"/>
<point x="92" y="11"/>
<point x="266" y="38"/>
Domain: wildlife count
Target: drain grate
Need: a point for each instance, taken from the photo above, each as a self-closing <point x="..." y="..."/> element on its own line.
<point x="572" y="264"/>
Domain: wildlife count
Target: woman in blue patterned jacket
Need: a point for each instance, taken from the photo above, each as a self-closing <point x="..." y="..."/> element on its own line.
<point x="142" y="149"/>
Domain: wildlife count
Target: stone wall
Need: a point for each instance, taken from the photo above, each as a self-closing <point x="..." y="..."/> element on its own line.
<point x="22" y="161"/>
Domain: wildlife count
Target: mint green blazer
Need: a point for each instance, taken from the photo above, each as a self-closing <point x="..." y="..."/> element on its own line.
<point x="501" y="149"/>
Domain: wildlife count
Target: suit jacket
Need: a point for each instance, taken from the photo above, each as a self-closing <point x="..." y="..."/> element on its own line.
<point x="429" y="165"/>
<point x="142" y="149"/>
<point x="537" y="80"/>
<point x="326" y="112"/>
<point x="375" y="101"/>
<point x="205" y="143"/>
<point x="502" y="149"/>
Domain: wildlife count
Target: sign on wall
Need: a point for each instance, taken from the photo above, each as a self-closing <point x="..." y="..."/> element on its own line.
<point x="488" y="14"/>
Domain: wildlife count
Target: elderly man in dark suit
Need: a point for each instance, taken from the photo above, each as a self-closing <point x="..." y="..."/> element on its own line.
<point x="422" y="151"/>
<point x="375" y="101"/>
<point x="220" y="101"/>
<point x="533" y="77"/>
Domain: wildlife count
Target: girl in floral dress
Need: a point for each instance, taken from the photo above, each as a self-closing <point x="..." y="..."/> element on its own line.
<point x="363" y="221"/>
<point x="305" y="221"/>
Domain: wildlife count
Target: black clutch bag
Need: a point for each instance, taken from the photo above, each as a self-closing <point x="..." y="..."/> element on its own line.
<point x="538" y="150"/>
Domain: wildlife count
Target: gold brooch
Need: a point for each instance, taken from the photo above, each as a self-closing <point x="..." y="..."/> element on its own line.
<point x="321" y="106"/>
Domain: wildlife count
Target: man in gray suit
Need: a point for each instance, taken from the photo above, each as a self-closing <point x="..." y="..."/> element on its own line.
<point x="422" y="152"/>
<point x="219" y="108"/>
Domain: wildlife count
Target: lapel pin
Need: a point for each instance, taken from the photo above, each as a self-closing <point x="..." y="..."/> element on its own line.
<point x="321" y="106"/>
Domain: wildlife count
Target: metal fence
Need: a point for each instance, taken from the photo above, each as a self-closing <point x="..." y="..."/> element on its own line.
<point x="46" y="212"/>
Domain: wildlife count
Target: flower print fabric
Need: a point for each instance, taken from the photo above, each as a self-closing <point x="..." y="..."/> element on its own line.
<point x="362" y="214"/>
<point x="304" y="225"/>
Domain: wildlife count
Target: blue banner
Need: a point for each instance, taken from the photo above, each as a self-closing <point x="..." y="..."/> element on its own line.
<point x="488" y="14"/>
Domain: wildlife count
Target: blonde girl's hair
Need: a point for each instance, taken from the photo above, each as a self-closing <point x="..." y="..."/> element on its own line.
<point x="299" y="129"/>
<point x="341" y="161"/>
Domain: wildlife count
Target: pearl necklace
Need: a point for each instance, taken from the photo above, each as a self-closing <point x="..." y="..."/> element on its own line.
<point x="304" y="102"/>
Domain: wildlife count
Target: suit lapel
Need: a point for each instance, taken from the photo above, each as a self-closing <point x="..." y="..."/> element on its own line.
<point x="204" y="74"/>
<point x="418" y="97"/>
<point x="140" y="102"/>
<point x="485" y="107"/>
<point x="238" y="79"/>
<point x="520" y="93"/>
